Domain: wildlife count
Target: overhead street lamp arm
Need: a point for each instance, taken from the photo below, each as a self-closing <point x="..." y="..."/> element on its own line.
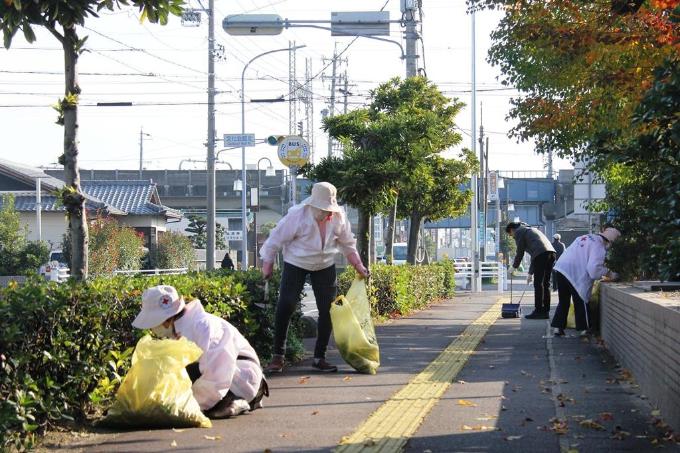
<point x="244" y="217"/>
<point x="299" y="24"/>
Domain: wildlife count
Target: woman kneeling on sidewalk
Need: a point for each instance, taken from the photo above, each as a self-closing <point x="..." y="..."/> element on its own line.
<point x="227" y="379"/>
<point x="576" y="271"/>
<point x="310" y="236"/>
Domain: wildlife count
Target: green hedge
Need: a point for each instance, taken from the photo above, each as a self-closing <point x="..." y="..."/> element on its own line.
<point x="398" y="290"/>
<point x="63" y="348"/>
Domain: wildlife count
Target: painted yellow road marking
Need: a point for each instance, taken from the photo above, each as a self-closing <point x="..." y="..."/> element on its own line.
<point x="393" y="423"/>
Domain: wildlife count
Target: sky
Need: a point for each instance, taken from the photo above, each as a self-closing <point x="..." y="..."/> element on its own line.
<point x="162" y="70"/>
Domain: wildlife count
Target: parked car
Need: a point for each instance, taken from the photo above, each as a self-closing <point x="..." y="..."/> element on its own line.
<point x="56" y="259"/>
<point x="399" y="252"/>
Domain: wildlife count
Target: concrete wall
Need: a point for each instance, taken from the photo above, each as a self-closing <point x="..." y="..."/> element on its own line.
<point x="642" y="330"/>
<point x="53" y="227"/>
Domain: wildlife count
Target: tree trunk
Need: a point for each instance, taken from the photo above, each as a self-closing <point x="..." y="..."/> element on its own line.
<point x="389" y="233"/>
<point x="73" y="198"/>
<point x="363" y="231"/>
<point x="413" y="231"/>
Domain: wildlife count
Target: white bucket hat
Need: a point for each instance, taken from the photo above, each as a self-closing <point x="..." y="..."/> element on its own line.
<point x="611" y="234"/>
<point x="324" y="197"/>
<point x="158" y="304"/>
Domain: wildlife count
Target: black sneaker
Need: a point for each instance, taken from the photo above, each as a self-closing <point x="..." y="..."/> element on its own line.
<point x="322" y="365"/>
<point x="538" y="315"/>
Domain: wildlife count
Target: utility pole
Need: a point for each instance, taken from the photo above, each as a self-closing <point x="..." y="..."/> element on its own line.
<point x="474" y="219"/>
<point x="292" y="88"/>
<point x="142" y="134"/>
<point x="482" y="184"/>
<point x="210" y="243"/>
<point x="346" y="92"/>
<point x="331" y="109"/>
<point x="308" y="100"/>
<point x="408" y="12"/>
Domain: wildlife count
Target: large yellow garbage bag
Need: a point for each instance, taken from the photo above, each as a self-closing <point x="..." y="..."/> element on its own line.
<point x="571" y="318"/>
<point x="353" y="329"/>
<point x="156" y="392"/>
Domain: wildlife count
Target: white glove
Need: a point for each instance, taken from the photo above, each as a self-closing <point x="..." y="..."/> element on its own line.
<point x="530" y="278"/>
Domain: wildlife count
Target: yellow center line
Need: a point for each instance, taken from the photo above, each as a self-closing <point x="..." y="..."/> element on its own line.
<point x="393" y="423"/>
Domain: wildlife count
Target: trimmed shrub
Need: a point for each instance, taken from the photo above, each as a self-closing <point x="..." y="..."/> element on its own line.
<point x="174" y="250"/>
<point x="64" y="347"/>
<point x="398" y="290"/>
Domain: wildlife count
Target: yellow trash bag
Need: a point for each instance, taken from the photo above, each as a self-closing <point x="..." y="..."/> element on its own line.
<point x="571" y="319"/>
<point x="156" y="392"/>
<point x="353" y="329"/>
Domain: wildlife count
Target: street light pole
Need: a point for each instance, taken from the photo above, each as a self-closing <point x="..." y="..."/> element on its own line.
<point x="244" y="216"/>
<point x="270" y="169"/>
<point x="210" y="243"/>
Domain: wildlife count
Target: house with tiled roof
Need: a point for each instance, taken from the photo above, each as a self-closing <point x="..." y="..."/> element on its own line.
<point x="132" y="203"/>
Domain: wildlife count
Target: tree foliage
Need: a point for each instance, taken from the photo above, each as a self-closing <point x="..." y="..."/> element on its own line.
<point x="114" y="247"/>
<point x="643" y="183"/>
<point x="61" y="18"/>
<point x="18" y="256"/>
<point x="198" y="227"/>
<point x="391" y="150"/>
<point x="581" y="66"/>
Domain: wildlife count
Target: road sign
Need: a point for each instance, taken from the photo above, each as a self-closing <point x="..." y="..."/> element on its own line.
<point x="253" y="24"/>
<point x="493" y="185"/>
<point x="234" y="235"/>
<point x="364" y="23"/>
<point x="294" y="151"/>
<point x="238" y="140"/>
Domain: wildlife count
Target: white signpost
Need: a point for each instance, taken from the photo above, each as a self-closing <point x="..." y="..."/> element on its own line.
<point x="238" y="140"/>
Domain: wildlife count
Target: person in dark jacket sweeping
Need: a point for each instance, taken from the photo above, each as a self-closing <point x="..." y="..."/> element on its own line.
<point x="559" y="247"/>
<point x="534" y="242"/>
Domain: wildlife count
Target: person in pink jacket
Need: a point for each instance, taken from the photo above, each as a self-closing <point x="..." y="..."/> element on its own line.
<point x="310" y="236"/>
<point x="227" y="379"/>
<point x="576" y="271"/>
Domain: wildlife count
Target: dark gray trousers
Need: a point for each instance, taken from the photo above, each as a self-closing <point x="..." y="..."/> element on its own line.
<point x="324" y="284"/>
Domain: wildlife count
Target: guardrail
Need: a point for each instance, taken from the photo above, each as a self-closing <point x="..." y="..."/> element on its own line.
<point x="487" y="269"/>
<point x="177" y="271"/>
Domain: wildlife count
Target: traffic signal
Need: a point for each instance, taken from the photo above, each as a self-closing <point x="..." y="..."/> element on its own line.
<point x="275" y="140"/>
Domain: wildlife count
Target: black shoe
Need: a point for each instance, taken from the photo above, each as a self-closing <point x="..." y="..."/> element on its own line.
<point x="322" y="365"/>
<point x="538" y="315"/>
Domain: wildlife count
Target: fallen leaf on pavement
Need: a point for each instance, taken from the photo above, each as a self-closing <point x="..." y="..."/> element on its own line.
<point x="212" y="437"/>
<point x="173" y="443"/>
<point x="267" y="450"/>
<point x="588" y="423"/>
<point x="303" y="379"/>
<point x="513" y="437"/>
<point x="559" y="426"/>
<point x="178" y="430"/>
<point x="347" y="378"/>
<point x="315" y="412"/>
<point x="466" y="403"/>
<point x="619" y="434"/>
<point x="606" y="416"/>
<point x="478" y="428"/>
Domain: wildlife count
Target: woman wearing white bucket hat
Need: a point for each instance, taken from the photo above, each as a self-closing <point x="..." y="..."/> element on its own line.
<point x="227" y="379"/>
<point x="310" y="236"/>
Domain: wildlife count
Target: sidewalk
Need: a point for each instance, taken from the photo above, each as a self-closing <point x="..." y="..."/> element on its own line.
<point x="501" y="400"/>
